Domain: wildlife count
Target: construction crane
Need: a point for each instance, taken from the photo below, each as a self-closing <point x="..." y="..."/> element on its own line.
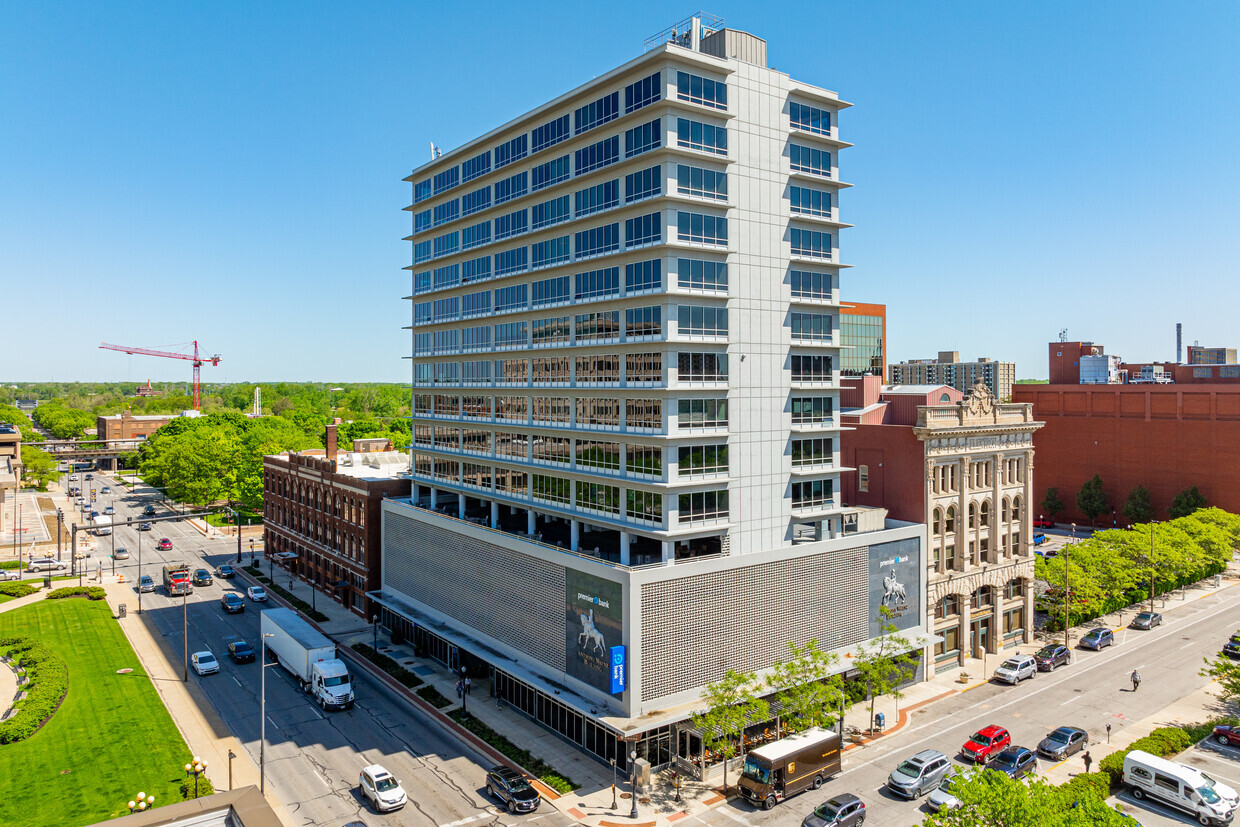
<point x="195" y="358"/>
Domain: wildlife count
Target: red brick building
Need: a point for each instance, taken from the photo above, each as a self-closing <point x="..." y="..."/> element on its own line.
<point x="321" y="515"/>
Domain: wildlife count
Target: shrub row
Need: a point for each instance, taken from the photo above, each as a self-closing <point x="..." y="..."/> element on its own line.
<point x="89" y="592"/>
<point x="434" y="697"/>
<point x="49" y="682"/>
<point x="12" y="589"/>
<point x="1162" y="742"/>
<point x="297" y="603"/>
<point x="388" y="665"/>
<point x="523" y="757"/>
<point x="1203" y="730"/>
<point x="11" y="564"/>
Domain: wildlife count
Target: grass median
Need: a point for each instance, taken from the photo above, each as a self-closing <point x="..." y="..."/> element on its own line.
<point x="109" y="740"/>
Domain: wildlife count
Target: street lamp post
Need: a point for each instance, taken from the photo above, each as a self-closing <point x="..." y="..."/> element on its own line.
<point x="237" y="520"/>
<point x="633" y="781"/>
<point x="139" y="533"/>
<point x="142" y="802"/>
<point x="231" y="756"/>
<point x="184" y="629"/>
<point x="60" y="520"/>
<point x="1067" y="590"/>
<point x="262" y="736"/>
<point x="464" y="694"/>
<point x="374" y="624"/>
<point x="112" y="534"/>
<point x="197" y="768"/>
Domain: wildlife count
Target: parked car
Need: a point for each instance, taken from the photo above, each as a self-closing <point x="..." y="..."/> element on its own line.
<point x="1226" y="735"/>
<point x="985" y="744"/>
<point x="47" y="564"/>
<point x="843" y="810"/>
<point x="943" y="798"/>
<point x="1016" y="762"/>
<point x="121" y="553"/>
<point x="145" y="526"/>
<point x="146" y="583"/>
<point x="512" y="789"/>
<point x="1146" y="620"/>
<point x="204" y="663"/>
<point x="1016" y="668"/>
<point x="164" y="544"/>
<point x="919" y="774"/>
<point x="1097" y="638"/>
<point x="226" y="571"/>
<point x="1052" y="655"/>
<point x="381" y="788"/>
<point x="110" y="510"/>
<point x="90" y="476"/>
<point x="240" y="651"/>
<point x="232" y="603"/>
<point x="1232" y="647"/>
<point x="1043" y="523"/>
<point x="1063" y="742"/>
<point x="202" y="577"/>
<point x="257" y="593"/>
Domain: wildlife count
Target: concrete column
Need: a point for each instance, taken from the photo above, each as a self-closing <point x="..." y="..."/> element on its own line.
<point x="530" y="517"/>
<point x="996" y="636"/>
<point x="1026" y="504"/>
<point x="669" y="552"/>
<point x="460" y="506"/>
<point x="1028" y="610"/>
<point x="574" y="533"/>
<point x="434" y="497"/>
<point x="624" y="548"/>
<point x="966" y="624"/>
<point x="512" y="509"/>
<point x="494" y="514"/>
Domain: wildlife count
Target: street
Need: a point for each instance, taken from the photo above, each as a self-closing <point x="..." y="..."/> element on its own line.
<point x="312" y="757"/>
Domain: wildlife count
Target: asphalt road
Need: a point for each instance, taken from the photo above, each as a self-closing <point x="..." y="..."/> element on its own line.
<point x="312" y="757"/>
<point x="1089" y="693"/>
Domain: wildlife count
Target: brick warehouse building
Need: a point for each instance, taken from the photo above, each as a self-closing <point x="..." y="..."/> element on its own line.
<point x="321" y="513"/>
<point x="1164" y="437"/>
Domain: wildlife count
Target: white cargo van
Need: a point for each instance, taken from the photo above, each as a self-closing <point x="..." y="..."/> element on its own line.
<point x="1176" y="785"/>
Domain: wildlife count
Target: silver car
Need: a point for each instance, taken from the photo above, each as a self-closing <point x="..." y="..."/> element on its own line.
<point x="1016" y="668"/>
<point x="919" y="774"/>
<point x="943" y="798"/>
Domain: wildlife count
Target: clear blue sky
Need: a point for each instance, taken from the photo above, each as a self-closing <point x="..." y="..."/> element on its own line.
<point x="231" y="171"/>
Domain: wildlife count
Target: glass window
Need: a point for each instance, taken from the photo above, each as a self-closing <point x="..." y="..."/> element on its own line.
<point x="695" y="89"/>
<point x="511" y="372"/>
<point x="476" y="372"/>
<point x="702" y="413"/>
<point x="598" y="240"/>
<point x="697" y="460"/>
<point x="551" y="449"/>
<point x="643" y="138"/>
<point x="511" y="261"/>
<point x="422" y="251"/>
<point x="815" y="451"/>
<point x="606" y="108"/>
<point x="510" y="151"/>
<point x="447" y="309"/>
<point x="642" y="230"/>
<point x="645" y="506"/>
<point x="422" y="190"/>
<point x="642" y="184"/>
<point x="603" y="413"/>
<point x="702" y="136"/>
<point x="476" y="236"/>
<point x="476" y="337"/>
<point x="514" y="297"/>
<point x="811" y="327"/>
<point x="806" y="201"/>
<point x="598" y="326"/>
<point x="704" y="506"/>
<point x="552" y="172"/>
<point x="550" y="291"/>
<point x="811" y="368"/>
<point x="643" y="321"/>
<point x="512" y="334"/>
<point x="517" y="409"/>
<point x="604" y="368"/>
<point x="643" y="93"/>
<point x="447" y="276"/>
<point x="600" y="197"/>
<point x="811" y="243"/>
<point x="472" y="202"/>
<point x="809" y="118"/>
<point x="550" y="133"/>
<point x="810" y="285"/>
<point x="597" y="496"/>
<point x="514" y="223"/>
<point x="596" y="283"/>
<point x="700" y="182"/>
<point x="422" y="281"/>
<point x="550" y="370"/>
<point x="702" y="367"/>
<point x="421" y="221"/>
<point x="512" y="187"/>
<point x="643" y="368"/>
<point x="811" y="410"/>
<point x="447" y="244"/>
<point x="812" y="493"/>
<point x="555" y="410"/>
<point x="643" y="414"/>
<point x="644" y="460"/>
<point x="447" y="179"/>
<point x="599" y="155"/>
<point x="475" y="167"/>
<point x="476" y="269"/>
<point x="809" y="159"/>
<point x="643" y="276"/>
<point x="550" y="212"/>
<point x="552" y="330"/>
<point x="604" y="456"/>
<point x="701" y="229"/>
<point x="422" y="313"/>
<point x="551" y="489"/>
<point x="701" y="320"/>
<point x="698" y="274"/>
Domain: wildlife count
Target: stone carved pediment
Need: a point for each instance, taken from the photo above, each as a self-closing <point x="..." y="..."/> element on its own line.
<point x="980" y="401"/>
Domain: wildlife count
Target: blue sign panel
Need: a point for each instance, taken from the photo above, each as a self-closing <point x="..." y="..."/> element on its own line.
<point x="618" y="678"/>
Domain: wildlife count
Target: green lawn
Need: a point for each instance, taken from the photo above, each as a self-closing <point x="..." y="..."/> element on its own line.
<point x="110" y="739"/>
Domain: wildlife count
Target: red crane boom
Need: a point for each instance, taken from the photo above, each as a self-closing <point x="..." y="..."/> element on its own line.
<point x="195" y="358"/>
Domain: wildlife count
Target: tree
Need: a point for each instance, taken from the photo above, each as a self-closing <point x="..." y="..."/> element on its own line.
<point x="1138" y="507"/>
<point x="1186" y="502"/>
<point x="1092" y="500"/>
<point x="809" y="691"/>
<point x="997" y="800"/>
<point x="1051" y="504"/>
<point x="40" y="468"/>
<point x="1227" y="671"/>
<point x="883" y="664"/>
<point x="731" y="705"/>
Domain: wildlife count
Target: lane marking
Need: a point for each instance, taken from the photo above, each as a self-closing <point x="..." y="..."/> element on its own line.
<point x="459" y="822"/>
<point x="273" y="723"/>
<point x="1070" y="700"/>
<point x="724" y="811"/>
<point x="234" y="677"/>
<point x="316" y="713"/>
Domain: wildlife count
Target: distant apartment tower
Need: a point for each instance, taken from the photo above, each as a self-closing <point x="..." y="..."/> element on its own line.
<point x="863" y="335"/>
<point x="1198" y="355"/>
<point x="626" y="377"/>
<point x="947" y="369"/>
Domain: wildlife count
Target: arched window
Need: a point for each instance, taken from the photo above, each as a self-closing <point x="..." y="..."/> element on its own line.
<point x="938" y="521"/>
<point x="972" y="515"/>
<point x="1016" y="510"/>
<point x="950" y="524"/>
<point x="985" y="513"/>
<point x="945" y="397"/>
<point x="1003" y="514"/>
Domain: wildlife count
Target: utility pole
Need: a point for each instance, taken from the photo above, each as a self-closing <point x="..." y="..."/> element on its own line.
<point x="1067" y="591"/>
<point x="184" y="629"/>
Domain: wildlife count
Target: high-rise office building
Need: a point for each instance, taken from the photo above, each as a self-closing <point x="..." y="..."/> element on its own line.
<point x="863" y="335"/>
<point x="625" y="373"/>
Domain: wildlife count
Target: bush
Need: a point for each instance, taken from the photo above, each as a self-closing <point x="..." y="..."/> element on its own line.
<point x="1113" y="768"/>
<point x="388" y="665"/>
<point x="434" y="697"/>
<point x="1162" y="742"/>
<point x="1088" y="784"/>
<point x="204" y="788"/>
<point x="11" y="564"/>
<point x="523" y="757"/>
<point x="1196" y="732"/>
<point x="11" y="589"/>
<point x="49" y="682"/>
<point x="89" y="592"/>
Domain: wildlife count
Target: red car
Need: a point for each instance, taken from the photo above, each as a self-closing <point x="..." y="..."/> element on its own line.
<point x="1227" y="736"/>
<point x="164" y="544"/>
<point x="1040" y="523"/>
<point x="985" y="744"/>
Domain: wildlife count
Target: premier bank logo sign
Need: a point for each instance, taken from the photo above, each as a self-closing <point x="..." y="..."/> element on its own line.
<point x="594" y="599"/>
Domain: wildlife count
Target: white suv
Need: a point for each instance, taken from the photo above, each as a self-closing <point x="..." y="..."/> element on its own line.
<point x="381" y="788"/>
<point x="47" y="564"/>
<point x="1016" y="668"/>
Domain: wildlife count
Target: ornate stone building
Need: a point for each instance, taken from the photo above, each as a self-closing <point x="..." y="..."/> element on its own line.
<point x="978" y="487"/>
<point x="964" y="468"/>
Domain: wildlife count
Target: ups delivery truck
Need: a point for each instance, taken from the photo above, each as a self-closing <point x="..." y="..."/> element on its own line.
<point x="790" y="765"/>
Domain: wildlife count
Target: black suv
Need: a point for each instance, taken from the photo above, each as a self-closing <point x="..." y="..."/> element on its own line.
<point x="232" y="603"/>
<point x="512" y="790"/>
<point x="240" y="651"/>
<point x="1052" y="655"/>
<point x="149" y="511"/>
<point x="202" y="577"/>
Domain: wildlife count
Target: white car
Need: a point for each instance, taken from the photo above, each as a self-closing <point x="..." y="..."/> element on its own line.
<point x="204" y="662"/>
<point x="47" y="564"/>
<point x="381" y="789"/>
<point x="942" y="798"/>
<point x="257" y="593"/>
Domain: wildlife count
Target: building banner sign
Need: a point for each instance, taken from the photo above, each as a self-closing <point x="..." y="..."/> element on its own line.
<point x="895" y="582"/>
<point x="618" y="678"/>
<point x="594" y="625"/>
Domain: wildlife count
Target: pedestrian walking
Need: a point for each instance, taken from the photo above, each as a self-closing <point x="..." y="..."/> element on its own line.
<point x="1136" y="680"/>
<point x="467" y="685"/>
<point x="458" y="687"/>
<point x="1088" y="760"/>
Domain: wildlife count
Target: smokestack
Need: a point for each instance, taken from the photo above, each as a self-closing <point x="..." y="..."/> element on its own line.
<point x="331" y="441"/>
<point x="1179" y="343"/>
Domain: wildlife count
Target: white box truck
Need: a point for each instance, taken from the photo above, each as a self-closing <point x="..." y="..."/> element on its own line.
<point x="102" y="525"/>
<point x="308" y="656"/>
